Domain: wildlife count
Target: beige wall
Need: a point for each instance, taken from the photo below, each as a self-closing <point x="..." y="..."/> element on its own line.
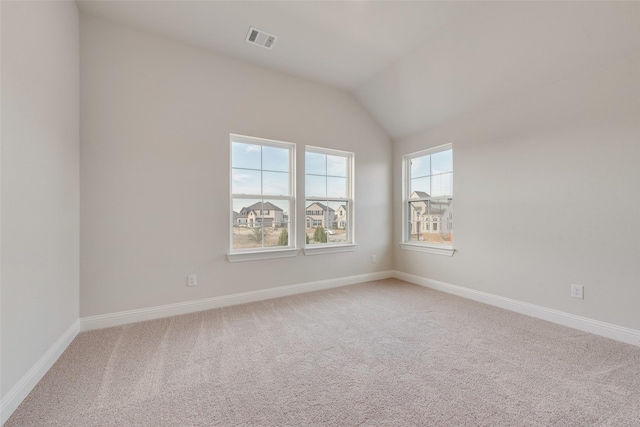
<point x="40" y="187"/>
<point x="553" y="168"/>
<point x="155" y="124"/>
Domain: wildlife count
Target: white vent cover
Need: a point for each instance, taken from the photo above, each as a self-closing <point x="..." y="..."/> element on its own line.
<point x="260" y="38"/>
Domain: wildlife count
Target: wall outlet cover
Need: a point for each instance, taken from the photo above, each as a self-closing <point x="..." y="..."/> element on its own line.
<point x="577" y="291"/>
<point x="192" y="280"/>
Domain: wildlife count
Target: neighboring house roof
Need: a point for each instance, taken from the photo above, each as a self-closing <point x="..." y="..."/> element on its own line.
<point x="264" y="206"/>
<point x="434" y="208"/>
<point x="323" y="207"/>
<point x="235" y="215"/>
<point x="419" y="194"/>
<point x="433" y="211"/>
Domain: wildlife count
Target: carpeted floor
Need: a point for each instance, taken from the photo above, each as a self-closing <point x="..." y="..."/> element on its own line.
<point x="383" y="353"/>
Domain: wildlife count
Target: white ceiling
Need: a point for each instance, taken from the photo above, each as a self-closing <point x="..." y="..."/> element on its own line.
<point x="411" y="64"/>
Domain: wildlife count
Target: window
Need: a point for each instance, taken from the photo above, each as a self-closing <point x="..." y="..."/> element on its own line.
<point x="262" y="198"/>
<point x="328" y="200"/>
<point x="428" y="200"/>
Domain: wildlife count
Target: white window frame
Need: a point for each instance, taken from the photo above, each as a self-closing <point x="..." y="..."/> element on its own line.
<point x="434" y="248"/>
<point x="350" y="244"/>
<point x="236" y="255"/>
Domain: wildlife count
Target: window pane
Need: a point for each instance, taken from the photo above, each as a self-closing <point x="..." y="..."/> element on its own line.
<point x="420" y="166"/>
<point x="245" y="237"/>
<point x="244" y="181"/>
<point x="316" y="186"/>
<point x="258" y="224"/>
<point x="247" y="211"/>
<point x="441" y="213"/>
<point x="275" y="183"/>
<point x="431" y="221"/>
<point x="442" y="162"/>
<point x="275" y="213"/>
<point x="239" y="204"/>
<point x="315" y="163"/>
<point x="275" y="222"/>
<point x="341" y="214"/>
<point x="422" y="185"/>
<point x="336" y="187"/>
<point x="246" y="227"/>
<point x="319" y="217"/>
<point x="418" y="221"/>
<point x="442" y="185"/>
<point x="337" y="231"/>
<point x="336" y="165"/>
<point x="275" y="159"/>
<point x="276" y="236"/>
<point x="245" y="155"/>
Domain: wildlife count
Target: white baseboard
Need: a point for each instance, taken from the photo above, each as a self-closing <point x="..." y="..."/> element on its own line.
<point x="150" y="313"/>
<point x="608" y="330"/>
<point x="21" y="390"/>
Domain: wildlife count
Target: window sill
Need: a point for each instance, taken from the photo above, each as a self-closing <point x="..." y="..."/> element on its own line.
<point x="257" y="255"/>
<point x="331" y="249"/>
<point x="438" y="250"/>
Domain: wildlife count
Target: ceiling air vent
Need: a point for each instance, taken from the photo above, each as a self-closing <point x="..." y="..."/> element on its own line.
<point x="260" y="38"/>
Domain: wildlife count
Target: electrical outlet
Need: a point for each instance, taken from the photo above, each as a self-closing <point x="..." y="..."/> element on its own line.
<point x="577" y="291"/>
<point x="191" y="280"/>
<point x="374" y="259"/>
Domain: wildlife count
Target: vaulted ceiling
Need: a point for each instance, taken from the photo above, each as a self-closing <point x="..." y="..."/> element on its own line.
<point x="412" y="64"/>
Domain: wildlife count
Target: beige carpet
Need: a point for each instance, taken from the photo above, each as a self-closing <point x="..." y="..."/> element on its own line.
<point x="383" y="353"/>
